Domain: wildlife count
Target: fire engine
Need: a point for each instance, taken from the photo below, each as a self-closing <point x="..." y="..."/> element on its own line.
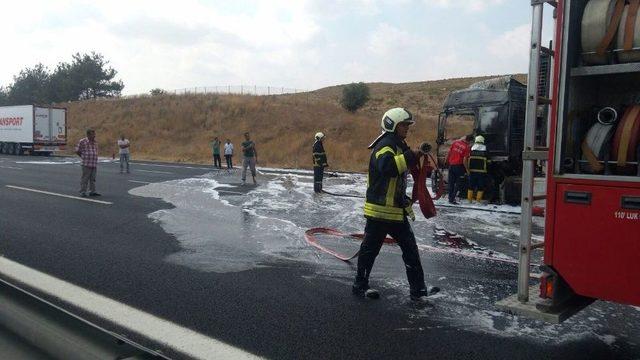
<point x="592" y="220"/>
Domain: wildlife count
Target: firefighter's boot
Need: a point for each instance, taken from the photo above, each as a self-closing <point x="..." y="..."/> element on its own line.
<point x="470" y="195"/>
<point x="479" y="196"/>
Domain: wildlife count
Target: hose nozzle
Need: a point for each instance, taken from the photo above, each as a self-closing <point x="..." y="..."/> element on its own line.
<point x="425" y="147"/>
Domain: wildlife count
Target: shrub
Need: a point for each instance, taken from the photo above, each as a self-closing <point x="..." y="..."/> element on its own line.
<point x="354" y="96"/>
<point x="157" y="91"/>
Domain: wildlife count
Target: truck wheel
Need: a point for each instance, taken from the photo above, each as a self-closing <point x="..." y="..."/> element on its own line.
<point x="2" y="148"/>
<point x="17" y="149"/>
<point x="512" y="190"/>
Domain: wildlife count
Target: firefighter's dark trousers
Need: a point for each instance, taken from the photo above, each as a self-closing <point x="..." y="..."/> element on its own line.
<point x="374" y="234"/>
<point x="318" y="174"/>
<point x="455" y="173"/>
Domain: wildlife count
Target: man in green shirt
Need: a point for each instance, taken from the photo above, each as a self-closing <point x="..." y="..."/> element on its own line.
<point x="250" y="155"/>
<point x="215" y="145"/>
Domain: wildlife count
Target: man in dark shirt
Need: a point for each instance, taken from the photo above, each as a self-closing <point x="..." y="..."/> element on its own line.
<point x="250" y="159"/>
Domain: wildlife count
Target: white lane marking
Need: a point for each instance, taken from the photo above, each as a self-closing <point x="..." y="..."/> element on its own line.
<point x="175" y="166"/>
<point x="140" y="182"/>
<point x="60" y="195"/>
<point x="11" y="167"/>
<point x="177" y="337"/>
<point x="155" y="171"/>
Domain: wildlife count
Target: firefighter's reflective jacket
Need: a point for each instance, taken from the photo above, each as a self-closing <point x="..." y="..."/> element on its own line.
<point x="319" y="156"/>
<point x="478" y="159"/>
<point x="389" y="165"/>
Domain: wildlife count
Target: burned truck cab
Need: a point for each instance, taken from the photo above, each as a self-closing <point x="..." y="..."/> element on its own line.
<point x="495" y="109"/>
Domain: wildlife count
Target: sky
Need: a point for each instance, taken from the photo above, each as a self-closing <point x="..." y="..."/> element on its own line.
<point x="303" y="44"/>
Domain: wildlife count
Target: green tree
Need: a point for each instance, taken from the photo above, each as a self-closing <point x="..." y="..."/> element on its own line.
<point x="4" y="96"/>
<point x="31" y="86"/>
<point x="354" y="96"/>
<point x="86" y="77"/>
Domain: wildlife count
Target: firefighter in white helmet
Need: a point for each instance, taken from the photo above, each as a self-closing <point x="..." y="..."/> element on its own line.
<point x="387" y="206"/>
<point x="319" y="162"/>
<point x="477" y="170"/>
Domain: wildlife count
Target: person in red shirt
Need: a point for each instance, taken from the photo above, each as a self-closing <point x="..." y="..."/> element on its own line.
<point x="458" y="153"/>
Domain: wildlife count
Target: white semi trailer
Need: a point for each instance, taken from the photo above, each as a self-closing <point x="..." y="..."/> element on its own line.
<point x="33" y="129"/>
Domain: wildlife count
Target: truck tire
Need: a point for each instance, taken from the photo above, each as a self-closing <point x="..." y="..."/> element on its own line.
<point x="512" y="190"/>
<point x="17" y="149"/>
<point x="2" y="148"/>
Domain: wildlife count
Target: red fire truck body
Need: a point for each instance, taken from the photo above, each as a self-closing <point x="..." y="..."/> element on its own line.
<point x="592" y="220"/>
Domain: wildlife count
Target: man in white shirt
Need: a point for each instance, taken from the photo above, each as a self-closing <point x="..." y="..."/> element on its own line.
<point x="228" y="153"/>
<point x="123" y="146"/>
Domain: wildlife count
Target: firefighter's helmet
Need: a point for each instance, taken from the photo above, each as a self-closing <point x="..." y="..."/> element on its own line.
<point x="319" y="136"/>
<point x="393" y="117"/>
<point x="480" y="139"/>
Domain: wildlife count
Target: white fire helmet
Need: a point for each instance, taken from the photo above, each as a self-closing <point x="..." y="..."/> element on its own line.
<point x="393" y="117"/>
<point x="480" y="139"/>
<point x="319" y="136"/>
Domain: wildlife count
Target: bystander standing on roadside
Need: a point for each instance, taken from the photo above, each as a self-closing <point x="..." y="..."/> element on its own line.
<point x="228" y="154"/>
<point x="250" y="158"/>
<point x="215" y="146"/>
<point x="87" y="149"/>
<point x="123" y="150"/>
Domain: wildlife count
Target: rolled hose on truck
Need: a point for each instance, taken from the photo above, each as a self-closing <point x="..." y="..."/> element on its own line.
<point x="626" y="141"/>
<point x="594" y="145"/>
<point x="620" y="141"/>
<point x="610" y="27"/>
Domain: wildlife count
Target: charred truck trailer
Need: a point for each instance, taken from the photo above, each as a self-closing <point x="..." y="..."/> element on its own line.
<point x="33" y="129"/>
<point x="495" y="109"/>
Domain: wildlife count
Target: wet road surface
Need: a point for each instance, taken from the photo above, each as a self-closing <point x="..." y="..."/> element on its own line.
<point x="191" y="245"/>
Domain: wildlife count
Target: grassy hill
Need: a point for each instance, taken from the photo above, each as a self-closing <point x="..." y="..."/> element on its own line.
<point x="180" y="127"/>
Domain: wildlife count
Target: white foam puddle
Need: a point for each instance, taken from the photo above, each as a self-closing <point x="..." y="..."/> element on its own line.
<point x="266" y="225"/>
<point x="216" y="235"/>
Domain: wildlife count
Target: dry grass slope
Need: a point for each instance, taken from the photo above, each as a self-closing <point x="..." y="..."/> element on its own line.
<point x="180" y="127"/>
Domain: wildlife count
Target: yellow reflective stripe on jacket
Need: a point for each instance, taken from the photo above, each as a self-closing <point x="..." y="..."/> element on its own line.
<point x="401" y="163"/>
<point x="383" y="212"/>
<point x="388" y="212"/>
<point x="385" y="149"/>
<point x="391" y="191"/>
<point x="484" y="163"/>
<point x="410" y="213"/>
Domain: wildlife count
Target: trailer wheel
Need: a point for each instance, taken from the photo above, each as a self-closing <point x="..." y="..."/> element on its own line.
<point x="3" y="148"/>
<point x="17" y="149"/>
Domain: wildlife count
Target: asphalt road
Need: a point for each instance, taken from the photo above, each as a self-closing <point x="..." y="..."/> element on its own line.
<point x="282" y="309"/>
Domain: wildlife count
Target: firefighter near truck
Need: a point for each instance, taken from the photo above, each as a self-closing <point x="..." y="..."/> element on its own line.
<point x="592" y="220"/>
<point x="33" y="129"/>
